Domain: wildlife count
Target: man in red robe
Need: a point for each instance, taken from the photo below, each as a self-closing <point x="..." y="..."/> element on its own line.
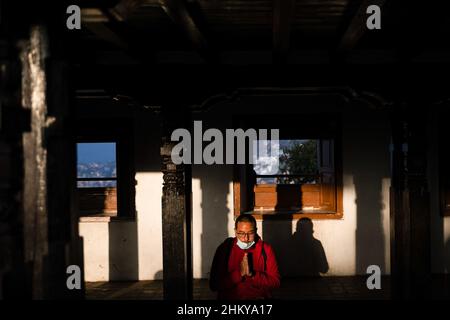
<point x="244" y="267"/>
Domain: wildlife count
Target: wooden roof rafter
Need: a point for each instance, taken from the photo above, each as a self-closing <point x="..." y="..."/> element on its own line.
<point x="356" y="27"/>
<point x="282" y="18"/>
<point x="125" y="8"/>
<point x="109" y="24"/>
<point x="181" y="15"/>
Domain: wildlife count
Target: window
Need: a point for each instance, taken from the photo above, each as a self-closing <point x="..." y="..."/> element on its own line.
<point x="297" y="164"/>
<point x="308" y="181"/>
<point x="105" y="168"/>
<point x="97" y="177"/>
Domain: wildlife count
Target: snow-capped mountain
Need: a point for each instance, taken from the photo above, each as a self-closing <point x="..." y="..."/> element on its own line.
<point x="97" y="170"/>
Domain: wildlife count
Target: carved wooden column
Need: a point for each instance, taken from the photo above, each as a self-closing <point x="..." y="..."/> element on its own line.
<point x="47" y="188"/>
<point x="410" y="208"/>
<point x="37" y="155"/>
<point x="176" y="220"/>
<point x="34" y="86"/>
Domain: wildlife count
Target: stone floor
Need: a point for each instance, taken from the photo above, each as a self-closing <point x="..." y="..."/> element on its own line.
<point x="326" y="288"/>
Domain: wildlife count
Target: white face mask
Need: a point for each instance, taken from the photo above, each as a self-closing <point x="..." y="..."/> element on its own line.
<point x="244" y="245"/>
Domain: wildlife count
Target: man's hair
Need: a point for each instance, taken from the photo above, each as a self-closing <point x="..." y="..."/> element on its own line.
<point x="245" y="218"/>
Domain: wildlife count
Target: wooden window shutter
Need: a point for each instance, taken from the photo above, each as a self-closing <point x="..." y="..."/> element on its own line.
<point x="327" y="175"/>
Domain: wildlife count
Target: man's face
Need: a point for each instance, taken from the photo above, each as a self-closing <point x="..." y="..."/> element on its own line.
<point x="245" y="232"/>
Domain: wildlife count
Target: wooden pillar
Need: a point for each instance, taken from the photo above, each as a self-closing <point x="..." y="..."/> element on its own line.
<point x="410" y="208"/>
<point x="51" y="241"/>
<point x="37" y="156"/>
<point x="34" y="94"/>
<point x="176" y="218"/>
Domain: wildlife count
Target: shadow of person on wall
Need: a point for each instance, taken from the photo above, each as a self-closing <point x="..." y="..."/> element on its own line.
<point x="307" y="254"/>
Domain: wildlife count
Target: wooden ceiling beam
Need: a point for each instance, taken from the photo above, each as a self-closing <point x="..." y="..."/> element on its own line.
<point x="282" y="16"/>
<point x="125" y="8"/>
<point x="95" y="20"/>
<point x="178" y="12"/>
<point x="356" y="26"/>
<point x="99" y="20"/>
<point x="103" y="24"/>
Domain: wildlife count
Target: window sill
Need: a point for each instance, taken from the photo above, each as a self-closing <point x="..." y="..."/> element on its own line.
<point x="104" y="218"/>
<point x="294" y="214"/>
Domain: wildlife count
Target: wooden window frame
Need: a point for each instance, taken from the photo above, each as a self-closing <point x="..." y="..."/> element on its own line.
<point x="93" y="192"/>
<point x="119" y="131"/>
<point x="243" y="184"/>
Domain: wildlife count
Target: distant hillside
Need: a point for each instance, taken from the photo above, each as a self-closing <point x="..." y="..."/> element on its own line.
<point x="96" y="170"/>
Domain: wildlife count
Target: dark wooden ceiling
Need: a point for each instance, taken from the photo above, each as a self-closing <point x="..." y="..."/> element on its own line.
<point x="146" y="48"/>
<point x="261" y="31"/>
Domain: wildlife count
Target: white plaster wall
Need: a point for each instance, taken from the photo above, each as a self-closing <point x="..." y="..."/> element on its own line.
<point x="96" y="250"/>
<point x="134" y="242"/>
<point x="351" y="244"/>
<point x="148" y="205"/>
<point x="131" y="250"/>
<point x="197" y="229"/>
<point x="338" y="237"/>
<point x="206" y="235"/>
<point x="110" y="250"/>
<point x="447" y="244"/>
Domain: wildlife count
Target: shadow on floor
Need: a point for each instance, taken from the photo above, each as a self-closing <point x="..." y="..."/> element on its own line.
<point x="299" y="288"/>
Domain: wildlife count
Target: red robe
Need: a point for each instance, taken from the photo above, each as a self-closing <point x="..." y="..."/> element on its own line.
<point x="226" y="277"/>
